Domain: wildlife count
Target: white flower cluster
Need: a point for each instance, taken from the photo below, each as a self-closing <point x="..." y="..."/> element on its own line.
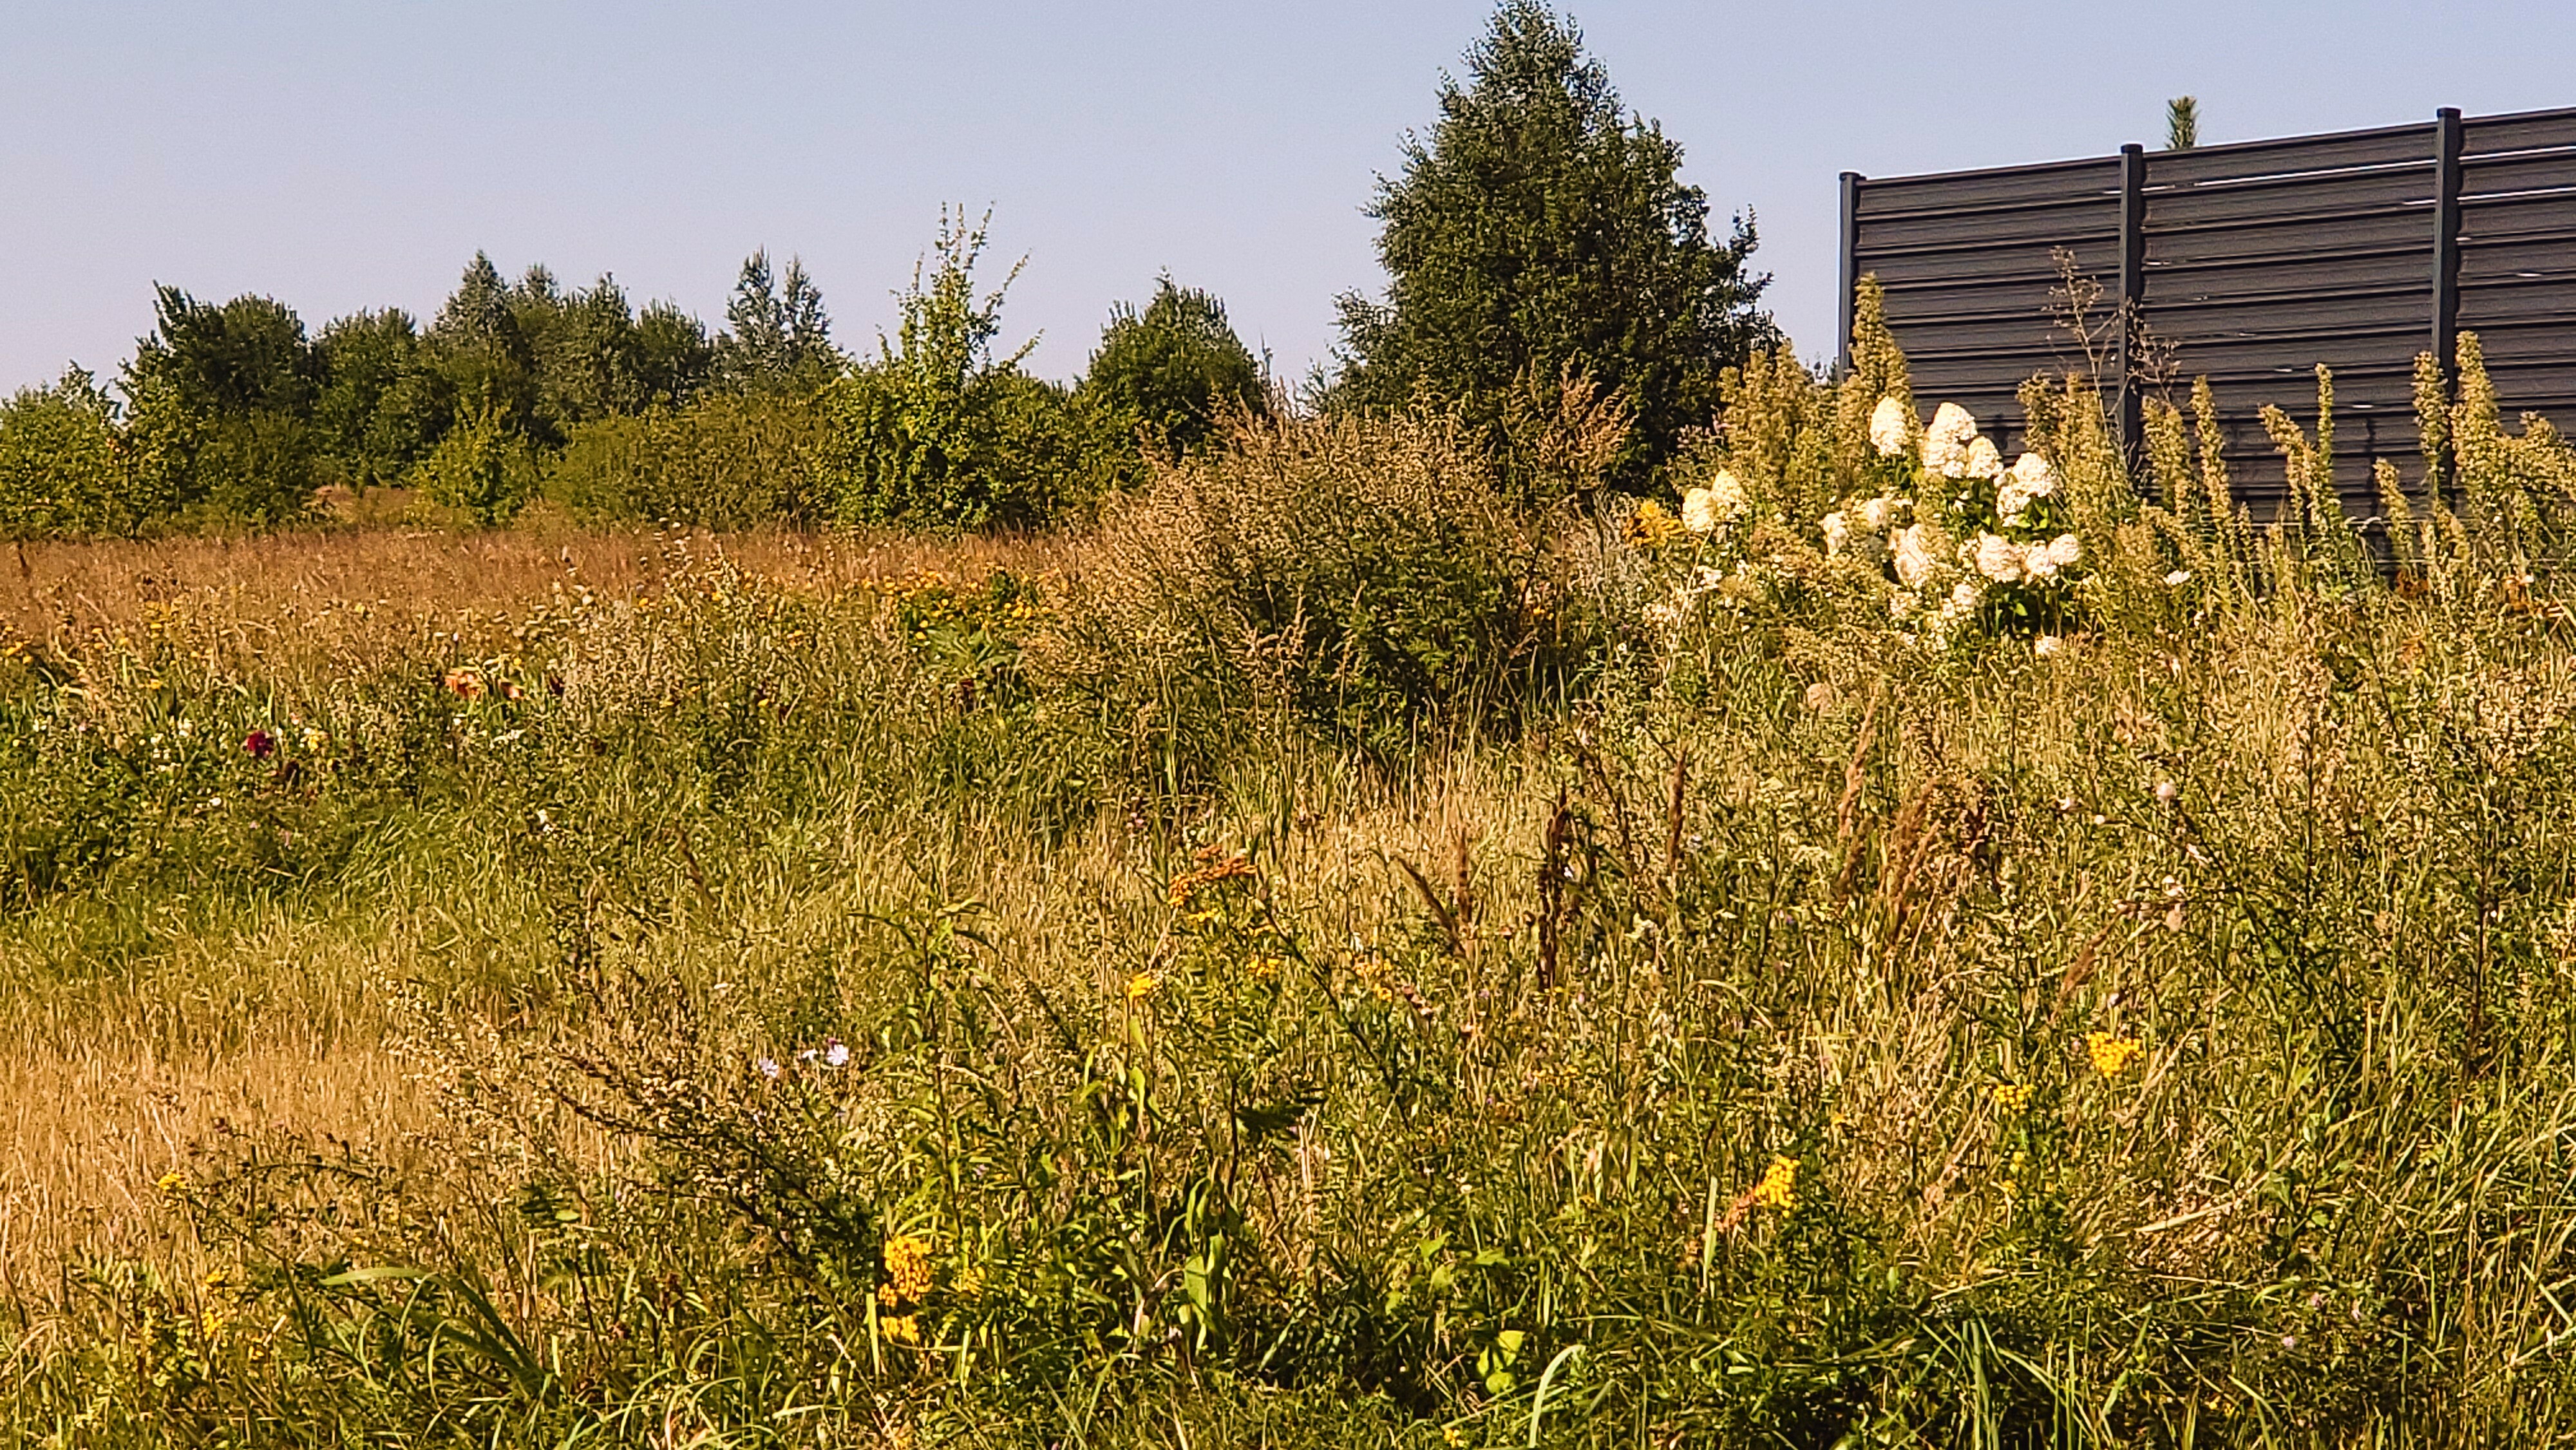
<point x="2007" y="562"/>
<point x="1948" y="550"/>
<point x="1718" y="507"/>
<point x="2030" y="480"/>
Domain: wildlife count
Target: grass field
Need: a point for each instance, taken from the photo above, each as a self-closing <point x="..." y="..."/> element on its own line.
<point x="1317" y="959"/>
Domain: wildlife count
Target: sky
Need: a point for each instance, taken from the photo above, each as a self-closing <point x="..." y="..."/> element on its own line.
<point x="356" y="154"/>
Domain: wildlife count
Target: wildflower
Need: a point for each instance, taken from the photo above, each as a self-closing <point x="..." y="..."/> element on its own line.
<point x="1983" y="460"/>
<point x="2165" y="792"/>
<point x="463" y="682"/>
<point x="1915" y="564"/>
<point x="1889" y="422"/>
<point x="1653" y="526"/>
<point x="173" y="1184"/>
<point x="1141" y="986"/>
<point x="2111" y="1053"/>
<point x="836" y="1053"/>
<point x="1779" y="1185"/>
<point x="768" y="1067"/>
<point x="2178" y="578"/>
<point x="315" y="740"/>
<point x="901" y="1328"/>
<point x="1998" y="558"/>
<point x="259" y="745"/>
<point x="2045" y="646"/>
<point x="1945" y="443"/>
<point x="2012" y="1097"/>
<point x="907" y="1268"/>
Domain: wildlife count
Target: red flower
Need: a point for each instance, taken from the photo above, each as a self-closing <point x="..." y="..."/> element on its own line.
<point x="259" y="745"/>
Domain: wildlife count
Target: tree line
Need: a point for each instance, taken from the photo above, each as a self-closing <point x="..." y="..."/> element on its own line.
<point x="1537" y="232"/>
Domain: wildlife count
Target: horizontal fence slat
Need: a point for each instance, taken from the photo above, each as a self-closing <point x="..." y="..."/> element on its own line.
<point x="2502" y="259"/>
<point x="2264" y="239"/>
<point x="2525" y="215"/>
<point x="2322" y="197"/>
<point x="2289" y="155"/>
<point x="1896" y="195"/>
<point x="2095" y="217"/>
<point x="2504" y="176"/>
<point x="2326" y="273"/>
<point x="2480" y="135"/>
<point x="2015" y="261"/>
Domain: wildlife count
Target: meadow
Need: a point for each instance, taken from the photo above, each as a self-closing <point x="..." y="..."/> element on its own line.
<point x="1344" y="948"/>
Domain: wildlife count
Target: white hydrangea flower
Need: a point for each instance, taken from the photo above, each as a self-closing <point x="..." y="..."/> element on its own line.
<point x="1712" y="509"/>
<point x="2042" y="561"/>
<point x="2178" y="578"/>
<point x="1877" y="514"/>
<point x="1983" y="459"/>
<point x="1945" y="443"/>
<point x="2030" y="478"/>
<point x="1915" y="563"/>
<point x="1998" y="558"/>
<point x="2065" y="550"/>
<point x="1889" y="422"/>
<point x="1837" y="533"/>
<point x="1964" y="597"/>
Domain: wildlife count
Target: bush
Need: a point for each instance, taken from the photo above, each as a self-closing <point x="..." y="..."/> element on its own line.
<point x="727" y="461"/>
<point x="1365" y="574"/>
<point x="482" y="467"/>
<point x="1175" y="371"/>
<point x="59" y="469"/>
<point x="939" y="433"/>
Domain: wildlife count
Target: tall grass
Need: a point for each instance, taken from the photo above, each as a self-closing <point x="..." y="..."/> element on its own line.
<point x="967" y="1004"/>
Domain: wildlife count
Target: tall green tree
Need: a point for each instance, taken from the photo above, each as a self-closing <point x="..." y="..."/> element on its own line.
<point x="482" y="355"/>
<point x="1174" y="369"/>
<point x="222" y="399"/>
<point x="379" y="409"/>
<point x="777" y="336"/>
<point x="1540" y="229"/>
<point x="61" y="473"/>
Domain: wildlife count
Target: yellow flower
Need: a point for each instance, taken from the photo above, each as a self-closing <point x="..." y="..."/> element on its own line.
<point x="173" y="1184"/>
<point x="1654" y="526"/>
<point x="1779" y="1185"/>
<point x="1141" y="986"/>
<point x="2012" y="1097"/>
<point x="2111" y="1053"/>
<point x="907" y="1267"/>
<point x="901" y="1328"/>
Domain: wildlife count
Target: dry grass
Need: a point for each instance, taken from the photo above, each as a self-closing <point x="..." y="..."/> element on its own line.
<point x="50" y="590"/>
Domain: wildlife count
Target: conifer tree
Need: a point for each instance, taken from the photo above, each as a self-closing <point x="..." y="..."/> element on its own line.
<point x="1538" y="229"/>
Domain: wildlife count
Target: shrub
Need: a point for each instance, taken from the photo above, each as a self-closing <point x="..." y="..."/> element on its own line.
<point x="59" y="469"/>
<point x="1365" y="574"/>
<point x="938" y="432"/>
<point x="726" y="461"/>
<point x="482" y="467"/>
<point x="1174" y="371"/>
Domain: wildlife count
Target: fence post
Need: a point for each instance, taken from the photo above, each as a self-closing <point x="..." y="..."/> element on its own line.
<point x="2446" y="239"/>
<point x="2133" y="292"/>
<point x="1850" y="267"/>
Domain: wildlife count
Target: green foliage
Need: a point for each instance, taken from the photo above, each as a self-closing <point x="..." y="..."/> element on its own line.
<point x="481" y="468"/>
<point x="61" y="474"/>
<point x="379" y="409"/>
<point x="1540" y="231"/>
<point x="778" y="338"/>
<point x="222" y="402"/>
<point x="1174" y="371"/>
<point x="938" y="431"/>
<point x="725" y="461"/>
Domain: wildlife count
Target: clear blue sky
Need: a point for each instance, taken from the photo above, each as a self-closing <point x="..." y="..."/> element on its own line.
<point x="356" y="154"/>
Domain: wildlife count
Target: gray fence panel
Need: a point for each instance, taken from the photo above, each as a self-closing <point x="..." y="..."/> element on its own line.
<point x="2248" y="264"/>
